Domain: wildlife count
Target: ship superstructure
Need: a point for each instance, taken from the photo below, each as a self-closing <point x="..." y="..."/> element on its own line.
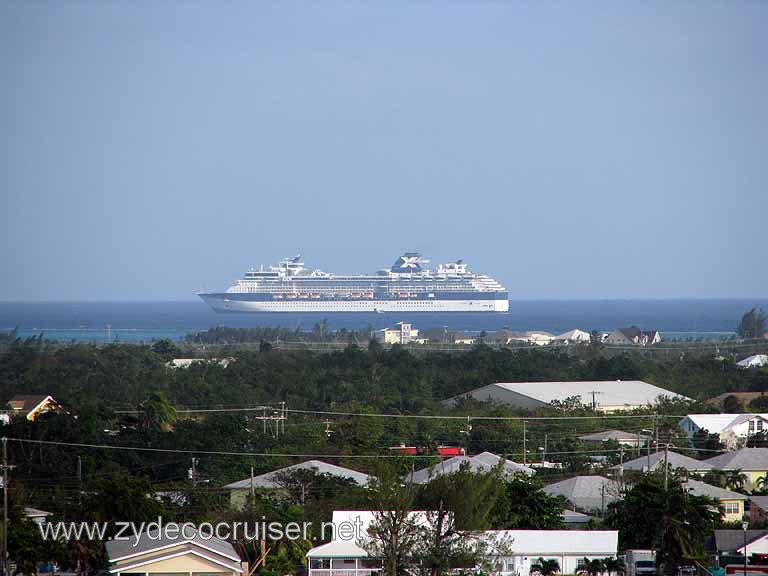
<point x="406" y="286"/>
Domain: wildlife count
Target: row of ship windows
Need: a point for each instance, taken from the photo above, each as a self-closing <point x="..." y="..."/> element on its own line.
<point x="348" y="303"/>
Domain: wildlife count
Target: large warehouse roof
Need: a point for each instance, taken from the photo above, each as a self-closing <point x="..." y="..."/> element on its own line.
<point x="606" y="395"/>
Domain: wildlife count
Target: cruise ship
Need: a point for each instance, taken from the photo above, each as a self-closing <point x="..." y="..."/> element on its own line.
<point x="407" y="286"/>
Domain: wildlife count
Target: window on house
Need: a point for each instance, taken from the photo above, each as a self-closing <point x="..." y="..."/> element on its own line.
<point x="760" y="425"/>
<point x="751" y="425"/>
<point x="731" y="507"/>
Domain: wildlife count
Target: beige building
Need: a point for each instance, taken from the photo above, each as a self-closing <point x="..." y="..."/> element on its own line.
<point x="402" y="333"/>
<point x="160" y="553"/>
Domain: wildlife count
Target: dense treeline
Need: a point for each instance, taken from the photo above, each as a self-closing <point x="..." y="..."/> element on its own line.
<point x="128" y="396"/>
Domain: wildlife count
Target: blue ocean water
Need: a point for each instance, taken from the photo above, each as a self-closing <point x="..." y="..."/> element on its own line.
<point x="148" y="321"/>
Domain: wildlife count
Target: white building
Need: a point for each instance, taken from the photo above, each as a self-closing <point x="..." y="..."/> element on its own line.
<point x="574" y="336"/>
<point x="754" y="361"/>
<point x="605" y="396"/>
<point x="240" y="491"/>
<point x="483" y="462"/>
<point x="402" y="333"/>
<point x="535" y="337"/>
<point x="524" y="547"/>
<point x="732" y="429"/>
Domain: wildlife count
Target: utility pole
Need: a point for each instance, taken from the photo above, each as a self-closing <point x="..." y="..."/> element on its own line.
<point x="253" y="490"/>
<point x="6" y="472"/>
<point x="666" y="467"/>
<point x="524" y="443"/>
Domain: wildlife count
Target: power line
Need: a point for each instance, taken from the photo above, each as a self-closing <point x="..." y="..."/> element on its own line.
<point x="412" y="416"/>
<point x="270" y="454"/>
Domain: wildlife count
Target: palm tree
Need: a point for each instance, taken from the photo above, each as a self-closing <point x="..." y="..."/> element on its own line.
<point x="614" y="565"/>
<point x="761" y="483"/>
<point x="593" y="567"/>
<point x="157" y="413"/>
<point x="545" y="567"/>
<point x="736" y="479"/>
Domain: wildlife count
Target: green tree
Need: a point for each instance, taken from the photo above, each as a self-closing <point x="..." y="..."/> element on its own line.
<point x="544" y="567"/>
<point x="592" y="567"/>
<point x="524" y="505"/>
<point x="395" y="533"/>
<point x="157" y="413"/>
<point x="458" y="505"/>
<point x="670" y="520"/>
<point x="167" y="349"/>
<point x="732" y="405"/>
<point x="753" y="324"/>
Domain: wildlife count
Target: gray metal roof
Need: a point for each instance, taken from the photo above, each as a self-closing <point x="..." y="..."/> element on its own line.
<point x="611" y="393"/>
<point x="657" y="460"/>
<point x="156" y="539"/>
<point x="744" y="459"/>
<point x="573" y="517"/>
<point x="618" y="435"/>
<point x="586" y="492"/>
<point x="269" y="480"/>
<point x="483" y="462"/>
<point x="732" y="540"/>
<point x="703" y="489"/>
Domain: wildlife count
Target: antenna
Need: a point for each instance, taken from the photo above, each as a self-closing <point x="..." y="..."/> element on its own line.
<point x="328" y="430"/>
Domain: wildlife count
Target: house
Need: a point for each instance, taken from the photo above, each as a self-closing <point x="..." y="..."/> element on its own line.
<point x="758" y="508"/>
<point x="574" y="336"/>
<point x="623" y="438"/>
<point x="483" y="462"/>
<point x="732" y="429"/>
<point x="732" y="503"/>
<point x="241" y="490"/>
<point x="463" y="338"/>
<point x="402" y="333"/>
<point x="731" y="542"/>
<point x="575" y="520"/>
<point x="633" y="336"/>
<point x="604" y="396"/>
<point x="29" y="406"/>
<point x="533" y="337"/>
<point x="187" y="362"/>
<point x="586" y="493"/>
<point x="161" y="552"/>
<point x="655" y="461"/>
<point x="755" y="361"/>
<point x="36" y="516"/>
<point x="753" y="463"/>
<point x="568" y="547"/>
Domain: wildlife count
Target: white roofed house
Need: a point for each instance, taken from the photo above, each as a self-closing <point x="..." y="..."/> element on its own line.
<point x="633" y="439"/>
<point x="604" y="396"/>
<point x="586" y="493"/>
<point x="732" y="429"/>
<point x="483" y="462"/>
<point x="522" y="548"/>
<point x="534" y="337"/>
<point x="574" y="336"/>
<point x="655" y="461"/>
<point x="754" y="361"/>
<point x="276" y="480"/>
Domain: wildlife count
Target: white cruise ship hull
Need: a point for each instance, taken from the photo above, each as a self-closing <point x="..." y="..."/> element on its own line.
<point x="220" y="303"/>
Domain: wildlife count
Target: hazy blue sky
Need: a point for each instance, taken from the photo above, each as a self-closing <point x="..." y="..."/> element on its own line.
<point x="571" y="149"/>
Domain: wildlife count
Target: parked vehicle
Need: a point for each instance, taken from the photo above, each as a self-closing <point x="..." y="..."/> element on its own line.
<point x="639" y="562"/>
